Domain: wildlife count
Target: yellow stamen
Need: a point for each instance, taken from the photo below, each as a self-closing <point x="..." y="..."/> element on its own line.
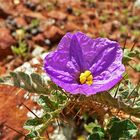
<point x="86" y="78"/>
<point x="90" y="78"/>
<point x="89" y="83"/>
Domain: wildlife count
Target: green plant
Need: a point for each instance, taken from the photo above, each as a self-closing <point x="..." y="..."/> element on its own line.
<point x="116" y="129"/>
<point x="35" y="23"/>
<point x="21" y="50"/>
<point x="58" y="104"/>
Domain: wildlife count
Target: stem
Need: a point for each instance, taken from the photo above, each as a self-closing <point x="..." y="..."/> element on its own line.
<point x="107" y="99"/>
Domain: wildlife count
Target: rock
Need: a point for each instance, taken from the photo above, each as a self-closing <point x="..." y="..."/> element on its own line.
<point x="6" y="40"/>
<point x="39" y="39"/>
<point x="137" y="3"/>
<point x="20" y="21"/>
<point x="35" y="15"/>
<point x="13" y="114"/>
<point x="70" y="26"/>
<point x="16" y="2"/>
<point x="53" y="33"/>
<point x="57" y="15"/>
<point x="3" y="14"/>
<point x="2" y="70"/>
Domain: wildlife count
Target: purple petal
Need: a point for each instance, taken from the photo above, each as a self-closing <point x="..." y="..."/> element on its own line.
<point x="57" y="64"/>
<point x="107" y="53"/>
<point x="76" y="54"/>
<point x="98" y="85"/>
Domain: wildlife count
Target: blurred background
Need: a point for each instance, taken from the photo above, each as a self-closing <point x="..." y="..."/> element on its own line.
<point x="29" y="28"/>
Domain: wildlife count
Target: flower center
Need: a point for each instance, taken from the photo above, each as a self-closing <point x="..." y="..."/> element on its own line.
<point x="86" y="78"/>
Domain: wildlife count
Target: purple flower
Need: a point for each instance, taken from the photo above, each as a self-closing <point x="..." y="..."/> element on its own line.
<point x="84" y="65"/>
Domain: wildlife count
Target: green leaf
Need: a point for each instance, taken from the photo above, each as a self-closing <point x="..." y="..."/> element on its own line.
<point x="47" y="104"/>
<point x="32" y="134"/>
<point x="1" y="80"/>
<point x="90" y="127"/>
<point x="27" y="81"/>
<point x="121" y="129"/>
<point x="46" y="117"/>
<point x="35" y="23"/>
<point x="97" y="133"/>
<point x="59" y="96"/>
<point x="96" y="136"/>
<point x="33" y="122"/>
<point x="128" y="56"/>
<point x="21" y="50"/>
<point x="40" y="83"/>
<point x="16" y="79"/>
<point x="137" y="67"/>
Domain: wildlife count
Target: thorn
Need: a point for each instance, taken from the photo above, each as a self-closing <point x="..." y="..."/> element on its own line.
<point x="63" y="114"/>
<point x="64" y="120"/>
<point x="30" y="110"/>
<point x="75" y="102"/>
<point x="117" y="90"/>
<point x="133" y="46"/>
<point x="133" y="101"/>
<point x="77" y="113"/>
<point x="15" y="130"/>
<point x="132" y="67"/>
<point x="124" y="76"/>
<point x="131" y="93"/>
<point x="70" y="110"/>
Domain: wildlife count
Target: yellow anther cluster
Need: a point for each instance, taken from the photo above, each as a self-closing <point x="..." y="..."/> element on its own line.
<point x="86" y="78"/>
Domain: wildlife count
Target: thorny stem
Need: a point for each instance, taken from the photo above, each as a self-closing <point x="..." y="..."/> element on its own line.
<point x="15" y="130"/>
<point x="117" y="90"/>
<point x="106" y="98"/>
<point x="133" y="46"/>
<point x="77" y="113"/>
<point x="30" y="110"/>
<point x="132" y="67"/>
<point x="131" y="94"/>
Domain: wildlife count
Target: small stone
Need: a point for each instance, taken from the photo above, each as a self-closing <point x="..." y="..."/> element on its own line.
<point x="57" y="15"/>
<point x="28" y="36"/>
<point x="14" y="34"/>
<point x="39" y="39"/>
<point x="6" y="41"/>
<point x="53" y="33"/>
<point x="69" y="10"/>
<point x="28" y="29"/>
<point x="10" y="17"/>
<point x="13" y="22"/>
<point x="16" y="2"/>
<point x="47" y="42"/>
<point x="34" y="31"/>
<point x="20" y="21"/>
<point x="30" y="5"/>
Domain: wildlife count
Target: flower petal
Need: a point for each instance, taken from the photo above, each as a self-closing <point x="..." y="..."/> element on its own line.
<point x="58" y="71"/>
<point x="107" y="55"/>
<point x="76" y="54"/>
<point x="97" y="52"/>
<point x="57" y="64"/>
